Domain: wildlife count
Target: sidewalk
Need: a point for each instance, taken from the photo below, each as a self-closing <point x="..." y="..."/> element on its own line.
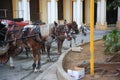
<point x="50" y="73"/>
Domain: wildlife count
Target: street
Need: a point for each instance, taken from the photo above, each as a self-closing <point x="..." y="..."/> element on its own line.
<point x="23" y="65"/>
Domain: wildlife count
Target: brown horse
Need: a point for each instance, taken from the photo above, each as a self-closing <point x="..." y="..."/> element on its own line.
<point x="36" y="37"/>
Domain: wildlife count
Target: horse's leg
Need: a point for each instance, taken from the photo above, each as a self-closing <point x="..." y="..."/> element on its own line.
<point x="34" y="58"/>
<point x="48" y="51"/>
<point x="74" y="40"/>
<point x="60" y="43"/>
<point x="71" y="43"/>
<point x="27" y="50"/>
<point x="11" y="62"/>
<point x="43" y="48"/>
<point x="39" y="58"/>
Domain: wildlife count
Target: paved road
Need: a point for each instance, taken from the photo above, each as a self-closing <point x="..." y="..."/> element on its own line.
<point x="23" y="68"/>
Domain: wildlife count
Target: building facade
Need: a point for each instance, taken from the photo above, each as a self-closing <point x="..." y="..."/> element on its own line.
<point x="49" y="11"/>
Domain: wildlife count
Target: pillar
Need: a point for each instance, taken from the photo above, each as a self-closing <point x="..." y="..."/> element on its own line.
<point x="20" y="9"/>
<point x="26" y="15"/>
<point x="28" y="10"/>
<point x="101" y="15"/>
<point x="78" y="11"/>
<point x="118" y="19"/>
<point x="52" y="11"/>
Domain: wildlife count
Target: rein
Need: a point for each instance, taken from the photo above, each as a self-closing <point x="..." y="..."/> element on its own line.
<point x="21" y="38"/>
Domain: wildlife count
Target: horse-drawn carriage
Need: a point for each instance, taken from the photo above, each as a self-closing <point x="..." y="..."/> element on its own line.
<point x="20" y="35"/>
<point x="5" y="45"/>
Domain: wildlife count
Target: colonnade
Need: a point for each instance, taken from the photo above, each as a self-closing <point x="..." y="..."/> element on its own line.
<point x="72" y="10"/>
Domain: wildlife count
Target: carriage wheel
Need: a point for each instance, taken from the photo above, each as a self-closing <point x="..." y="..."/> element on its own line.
<point x="4" y="58"/>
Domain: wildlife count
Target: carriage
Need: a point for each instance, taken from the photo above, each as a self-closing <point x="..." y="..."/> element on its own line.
<point x="5" y="47"/>
<point x="20" y="34"/>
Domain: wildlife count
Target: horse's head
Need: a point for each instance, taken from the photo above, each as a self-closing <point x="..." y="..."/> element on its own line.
<point x="73" y="27"/>
<point x="83" y="29"/>
<point x="62" y="33"/>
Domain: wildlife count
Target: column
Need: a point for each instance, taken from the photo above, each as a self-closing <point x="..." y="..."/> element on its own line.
<point x="49" y="12"/>
<point x="101" y="15"/>
<point x="24" y="6"/>
<point x="52" y="11"/>
<point x="56" y="10"/>
<point x="98" y="11"/>
<point x="78" y="11"/>
<point x="98" y="14"/>
<point x="28" y="10"/>
<point x="74" y="11"/>
<point x="20" y="11"/>
<point x="118" y="21"/>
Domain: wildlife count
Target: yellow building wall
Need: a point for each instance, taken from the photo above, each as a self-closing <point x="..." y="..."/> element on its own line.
<point x="14" y="3"/>
<point x="67" y="7"/>
<point x="87" y="12"/>
<point x="44" y="11"/>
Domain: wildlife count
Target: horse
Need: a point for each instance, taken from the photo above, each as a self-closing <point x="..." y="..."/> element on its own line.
<point x="35" y="36"/>
<point x="72" y="30"/>
<point x="83" y="30"/>
<point x="61" y="35"/>
<point x="44" y="35"/>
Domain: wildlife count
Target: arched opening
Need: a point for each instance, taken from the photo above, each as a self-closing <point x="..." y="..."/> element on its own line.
<point x="6" y="5"/>
<point x="60" y="9"/>
<point x="34" y="10"/>
<point x="111" y="15"/>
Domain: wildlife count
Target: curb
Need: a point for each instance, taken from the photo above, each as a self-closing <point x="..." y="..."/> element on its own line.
<point x="61" y="74"/>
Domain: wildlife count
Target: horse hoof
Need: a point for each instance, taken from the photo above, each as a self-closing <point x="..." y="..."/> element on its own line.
<point x="37" y="70"/>
<point x="12" y="67"/>
<point x="59" y="53"/>
<point x="48" y="60"/>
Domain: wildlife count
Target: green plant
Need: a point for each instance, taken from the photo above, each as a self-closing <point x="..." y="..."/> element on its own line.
<point x="112" y="43"/>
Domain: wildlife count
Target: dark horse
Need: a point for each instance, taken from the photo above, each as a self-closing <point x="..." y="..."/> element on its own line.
<point x="72" y="30"/>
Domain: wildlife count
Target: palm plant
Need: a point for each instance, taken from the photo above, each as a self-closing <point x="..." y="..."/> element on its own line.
<point x="112" y="42"/>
